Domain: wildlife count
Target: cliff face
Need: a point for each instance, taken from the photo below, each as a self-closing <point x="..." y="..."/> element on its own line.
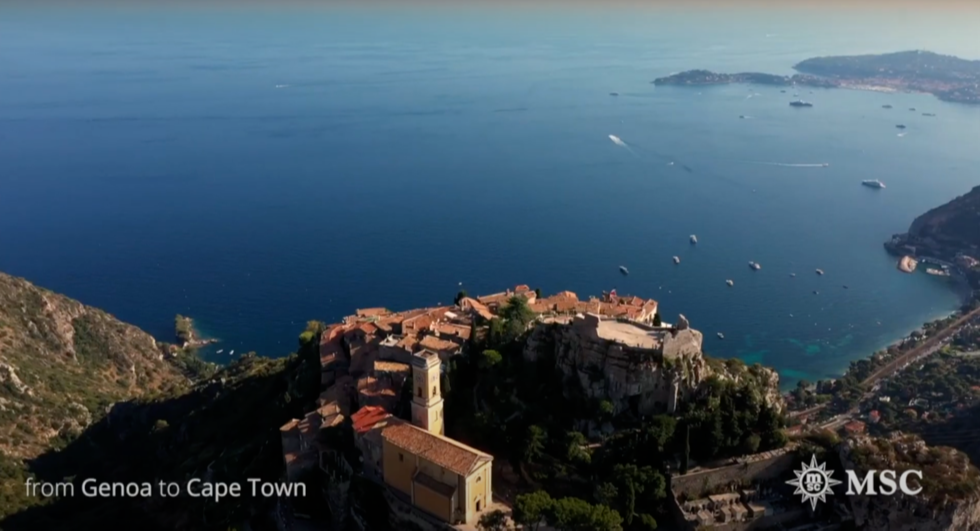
<point x="950" y="500"/>
<point x="954" y="226"/>
<point x="650" y="378"/>
<point x="62" y="363"/>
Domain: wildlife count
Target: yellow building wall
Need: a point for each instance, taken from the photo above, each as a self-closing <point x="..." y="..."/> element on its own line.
<point x="433" y="502"/>
<point x="399" y="467"/>
<point x="478" y="489"/>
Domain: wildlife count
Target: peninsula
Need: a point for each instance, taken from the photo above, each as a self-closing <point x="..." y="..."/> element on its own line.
<point x="948" y="78"/>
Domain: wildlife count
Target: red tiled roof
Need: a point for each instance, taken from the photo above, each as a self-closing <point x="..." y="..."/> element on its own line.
<point x="367" y="417"/>
<point x="438" y="344"/>
<point x="521" y="288"/>
<point x="445" y="452"/>
<point x="371" y="312"/>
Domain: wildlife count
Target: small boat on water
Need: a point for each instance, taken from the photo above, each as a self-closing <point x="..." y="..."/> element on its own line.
<point x="221" y="350"/>
<point x="911" y="108"/>
<point x="928" y="114"/>
<point x="623" y="270"/>
<point x="232" y="353"/>
<point x="800" y="103"/>
<point x="886" y="106"/>
<point x="792" y="274"/>
<point x="730" y="282"/>
<point x="677" y="260"/>
<point x="614" y="94"/>
<point x="819" y="271"/>
<point x="873" y="183"/>
<point x="721" y="336"/>
<point x="845" y="286"/>
<point x="754" y="265"/>
<point x="815" y="292"/>
<point x="694" y="239"/>
<point x="900" y="126"/>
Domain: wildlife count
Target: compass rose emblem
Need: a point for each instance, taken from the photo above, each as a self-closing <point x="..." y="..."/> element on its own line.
<point x="813" y="482"/>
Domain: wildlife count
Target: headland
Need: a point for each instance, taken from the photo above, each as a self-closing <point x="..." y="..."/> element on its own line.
<point x="948" y="78"/>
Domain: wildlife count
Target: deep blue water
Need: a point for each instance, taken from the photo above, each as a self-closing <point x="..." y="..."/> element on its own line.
<point x="149" y="165"/>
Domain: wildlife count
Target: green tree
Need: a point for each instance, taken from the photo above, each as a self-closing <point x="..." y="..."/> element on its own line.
<point x="751" y="444"/>
<point x="656" y="319"/>
<point x="495" y="520"/>
<point x="534" y="442"/>
<point x="490" y="359"/>
<point x="530" y="509"/>
<point x="573" y="514"/>
<point x="647" y="522"/>
<point x="460" y="296"/>
<point x="576" y="451"/>
<point x="606" y="494"/>
<point x="686" y="459"/>
<point x="537" y="292"/>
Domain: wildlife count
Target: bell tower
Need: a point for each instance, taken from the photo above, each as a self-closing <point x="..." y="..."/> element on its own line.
<point x="426" y="392"/>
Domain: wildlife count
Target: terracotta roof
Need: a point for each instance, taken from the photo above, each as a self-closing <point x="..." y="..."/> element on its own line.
<point x="368" y="328"/>
<point x="372" y="387"/>
<point x="391" y="366"/>
<point x="367" y="417"/>
<point x="521" y="288"/>
<point x="408" y="343"/>
<point x="564" y="295"/>
<point x="438" y="344"/>
<point x="371" y="312"/>
<point x="431" y="483"/>
<point x="477" y="306"/>
<point x="442" y="451"/>
<point x="448" y="329"/>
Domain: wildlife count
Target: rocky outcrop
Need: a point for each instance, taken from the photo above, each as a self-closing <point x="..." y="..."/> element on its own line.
<point x="61" y="361"/>
<point x="644" y="368"/>
<point x="943" y="231"/>
<point x="949" y="501"/>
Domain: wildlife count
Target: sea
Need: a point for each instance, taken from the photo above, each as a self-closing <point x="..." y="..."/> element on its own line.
<point x="254" y="168"/>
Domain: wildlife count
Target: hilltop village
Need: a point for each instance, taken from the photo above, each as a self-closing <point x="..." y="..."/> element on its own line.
<point x="512" y="409"/>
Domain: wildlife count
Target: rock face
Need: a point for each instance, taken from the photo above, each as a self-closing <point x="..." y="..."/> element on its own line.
<point x="647" y="369"/>
<point x="950" y="500"/>
<point x="945" y="230"/>
<point x="62" y="362"/>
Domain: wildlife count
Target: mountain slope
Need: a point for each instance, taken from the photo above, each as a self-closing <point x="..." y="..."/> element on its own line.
<point x="954" y="225"/>
<point x="63" y="363"/>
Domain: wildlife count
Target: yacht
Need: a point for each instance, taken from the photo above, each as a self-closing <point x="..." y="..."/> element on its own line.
<point x="730" y="282"/>
<point x="886" y="106"/>
<point x="820" y="271"/>
<point x="232" y="353"/>
<point x="754" y="265"/>
<point x="220" y="350"/>
<point x="614" y="94"/>
<point x="721" y="336"/>
<point x="900" y="126"/>
<point x="873" y="183"/>
<point x="694" y="239"/>
<point x="800" y="103"/>
<point x="623" y="270"/>
<point x="677" y="260"/>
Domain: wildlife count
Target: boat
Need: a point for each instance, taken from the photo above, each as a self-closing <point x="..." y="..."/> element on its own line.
<point x="928" y="114"/>
<point x="886" y="106"/>
<point x="845" y="286"/>
<point x="873" y="183"/>
<point x="800" y="103"/>
<point x="825" y="165"/>
<point x="899" y="126"/>
<point x="721" y="336"/>
<point x="614" y="94"/>
<point x="694" y="239"/>
<point x="730" y="282"/>
<point x="677" y="260"/>
<point x="815" y="292"/>
<point x="232" y="353"/>
<point x="754" y="265"/>
<point x="911" y="108"/>
<point x="221" y="350"/>
<point x="792" y="274"/>
<point x="623" y="270"/>
<point x="820" y="271"/>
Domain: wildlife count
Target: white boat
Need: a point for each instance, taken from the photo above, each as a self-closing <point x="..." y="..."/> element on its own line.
<point x="623" y="270"/>
<point x="232" y="353"/>
<point x="819" y="271"/>
<point x="677" y="260"/>
<point x="730" y="282"/>
<point x="694" y="239"/>
<point x="754" y="266"/>
<point x="221" y="350"/>
<point x="721" y="336"/>
<point x="873" y="183"/>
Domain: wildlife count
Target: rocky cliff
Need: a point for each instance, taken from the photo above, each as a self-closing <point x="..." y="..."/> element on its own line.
<point x="655" y="373"/>
<point x="62" y="363"/>
<point x="950" y="497"/>
<point x="954" y="226"/>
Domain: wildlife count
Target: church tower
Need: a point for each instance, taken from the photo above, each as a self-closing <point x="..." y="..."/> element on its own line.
<point x="426" y="392"/>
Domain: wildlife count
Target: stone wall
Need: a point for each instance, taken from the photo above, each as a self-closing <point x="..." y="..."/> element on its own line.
<point x="748" y="469"/>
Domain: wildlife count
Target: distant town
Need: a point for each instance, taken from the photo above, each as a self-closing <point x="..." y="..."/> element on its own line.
<point x="948" y="78"/>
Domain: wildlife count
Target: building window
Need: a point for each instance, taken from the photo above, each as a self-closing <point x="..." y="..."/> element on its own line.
<point x="401" y="457"/>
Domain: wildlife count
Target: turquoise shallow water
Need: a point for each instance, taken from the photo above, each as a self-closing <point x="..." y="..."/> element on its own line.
<point x="149" y="165"/>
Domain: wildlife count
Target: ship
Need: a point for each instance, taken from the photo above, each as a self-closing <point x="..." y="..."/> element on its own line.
<point x="730" y="282"/>
<point x="623" y="270"/>
<point x="694" y="239"/>
<point x="677" y="260"/>
<point x="819" y="271"/>
<point x="800" y="103"/>
<point x="886" y="106"/>
<point x="755" y="266"/>
<point x="900" y="126"/>
<point x="873" y="183"/>
<point x="721" y="336"/>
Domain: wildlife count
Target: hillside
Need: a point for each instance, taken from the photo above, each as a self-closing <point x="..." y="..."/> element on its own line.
<point x="62" y="363"/>
<point x="955" y="224"/>
<point x="913" y="64"/>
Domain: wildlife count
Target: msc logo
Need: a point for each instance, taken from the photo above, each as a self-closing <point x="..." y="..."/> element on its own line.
<point x="814" y="482"/>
